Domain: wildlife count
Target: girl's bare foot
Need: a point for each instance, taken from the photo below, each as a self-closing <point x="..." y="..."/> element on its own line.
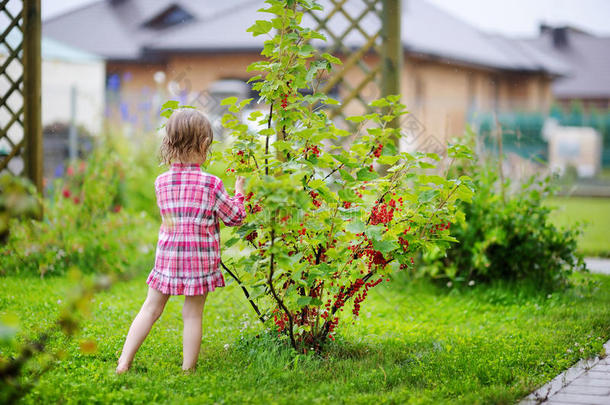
<point x="188" y="371"/>
<point x="122" y="367"/>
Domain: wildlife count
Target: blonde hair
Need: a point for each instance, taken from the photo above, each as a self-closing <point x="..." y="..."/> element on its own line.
<point x="187" y="132"/>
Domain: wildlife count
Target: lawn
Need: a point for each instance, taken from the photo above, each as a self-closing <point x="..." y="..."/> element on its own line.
<point x="414" y="343"/>
<point x="595" y="211"/>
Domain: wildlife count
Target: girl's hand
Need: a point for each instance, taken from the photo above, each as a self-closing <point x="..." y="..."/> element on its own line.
<point x="239" y="185"/>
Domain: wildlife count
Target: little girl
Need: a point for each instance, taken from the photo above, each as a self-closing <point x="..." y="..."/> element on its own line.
<point x="188" y="251"/>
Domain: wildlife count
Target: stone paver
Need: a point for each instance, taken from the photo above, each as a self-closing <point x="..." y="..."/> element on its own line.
<point x="588" y="382"/>
<point x="598" y="265"/>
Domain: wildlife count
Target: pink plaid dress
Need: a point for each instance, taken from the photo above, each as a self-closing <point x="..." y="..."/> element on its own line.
<point x="188" y="251"/>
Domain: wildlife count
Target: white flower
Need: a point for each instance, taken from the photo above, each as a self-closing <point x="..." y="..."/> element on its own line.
<point x="471" y="283"/>
<point x="569" y="350"/>
<point x="58" y="302"/>
<point x="549" y="296"/>
<point x="449" y="283"/>
<point x="226" y="346"/>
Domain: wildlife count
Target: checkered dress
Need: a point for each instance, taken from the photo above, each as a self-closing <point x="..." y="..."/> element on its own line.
<point x="188" y="250"/>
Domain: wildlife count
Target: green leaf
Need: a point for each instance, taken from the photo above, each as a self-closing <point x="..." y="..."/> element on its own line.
<point x="260" y="27"/>
<point x="380" y="103"/>
<point x="355" y="226"/>
<point x="282" y="145"/>
<point x="330" y="101"/>
<point x="356" y="118"/>
<point x="346" y="160"/>
<point x="231" y="242"/>
<point x="347" y="194"/>
<point x="384" y="246"/>
<point x="229" y="101"/>
<point x="173" y="104"/>
<point x="388" y="160"/>
<point x="346" y="176"/>
<point x="332" y="59"/>
<point x="427" y="196"/>
<point x="366" y="175"/>
<point x="316" y="183"/>
<point x="303" y="301"/>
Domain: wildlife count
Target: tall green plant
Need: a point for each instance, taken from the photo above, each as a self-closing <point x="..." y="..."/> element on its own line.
<point x="324" y="225"/>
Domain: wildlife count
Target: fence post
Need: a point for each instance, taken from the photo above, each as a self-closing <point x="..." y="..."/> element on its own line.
<point x="31" y="91"/>
<point x="392" y="48"/>
<point x="392" y="53"/>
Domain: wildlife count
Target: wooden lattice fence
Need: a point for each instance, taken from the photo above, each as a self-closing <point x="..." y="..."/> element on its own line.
<point x="20" y="104"/>
<point x="367" y="34"/>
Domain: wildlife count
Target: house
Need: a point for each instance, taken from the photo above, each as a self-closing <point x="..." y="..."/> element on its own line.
<point x="72" y="86"/>
<point x="157" y="49"/>
<point x="588" y="58"/>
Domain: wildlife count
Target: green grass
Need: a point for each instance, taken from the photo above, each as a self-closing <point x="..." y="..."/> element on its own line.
<point x="415" y="343"/>
<point x="595" y="212"/>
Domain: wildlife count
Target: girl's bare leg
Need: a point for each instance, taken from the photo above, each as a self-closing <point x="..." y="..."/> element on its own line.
<point x="151" y="311"/>
<point x="191" y="339"/>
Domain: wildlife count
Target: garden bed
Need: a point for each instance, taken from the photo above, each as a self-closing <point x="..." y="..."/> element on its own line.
<point x="424" y="344"/>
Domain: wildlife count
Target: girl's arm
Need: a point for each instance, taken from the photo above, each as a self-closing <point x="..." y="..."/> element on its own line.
<point x="230" y="209"/>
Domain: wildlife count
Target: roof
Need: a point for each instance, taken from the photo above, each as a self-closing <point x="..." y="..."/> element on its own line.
<point x="431" y="31"/>
<point x="52" y="49"/>
<point x="589" y="59"/>
<point x="117" y="30"/>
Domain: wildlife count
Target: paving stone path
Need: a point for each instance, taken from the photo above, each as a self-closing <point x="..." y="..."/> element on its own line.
<point x="588" y="382"/>
<point x="598" y="265"/>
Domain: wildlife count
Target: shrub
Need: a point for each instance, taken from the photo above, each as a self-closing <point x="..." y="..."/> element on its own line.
<point x="84" y="225"/>
<point x="507" y="235"/>
<point x="18" y="199"/>
<point x="326" y="224"/>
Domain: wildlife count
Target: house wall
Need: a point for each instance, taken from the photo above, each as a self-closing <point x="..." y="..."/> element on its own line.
<point x="439" y="95"/>
<point x="58" y="78"/>
<point x="133" y="97"/>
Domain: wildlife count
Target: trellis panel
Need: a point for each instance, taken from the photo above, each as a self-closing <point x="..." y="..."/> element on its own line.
<point x="367" y="34"/>
<point x="20" y="118"/>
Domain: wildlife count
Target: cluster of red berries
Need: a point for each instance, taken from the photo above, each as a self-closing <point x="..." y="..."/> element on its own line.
<point x="377" y="151"/>
<point x="402" y="241"/>
<point x="280" y="321"/>
<point x="332" y="326"/>
<point x="346" y="204"/>
<point x="251" y="236"/>
<point x="404" y="266"/>
<point x="313" y="150"/>
<point x="383" y="213"/>
<point x="254" y="208"/>
<point x="241" y="154"/>
<point x="362" y="296"/>
<point x="440" y="227"/>
<point x="230" y="170"/>
<point x="314" y="197"/>
<point x="375" y="257"/>
<point x="284" y="101"/>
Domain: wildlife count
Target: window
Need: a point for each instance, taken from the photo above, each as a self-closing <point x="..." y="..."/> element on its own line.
<point x="170" y="16"/>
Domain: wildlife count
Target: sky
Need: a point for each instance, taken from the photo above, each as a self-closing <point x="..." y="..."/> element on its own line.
<point x="517" y="18"/>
